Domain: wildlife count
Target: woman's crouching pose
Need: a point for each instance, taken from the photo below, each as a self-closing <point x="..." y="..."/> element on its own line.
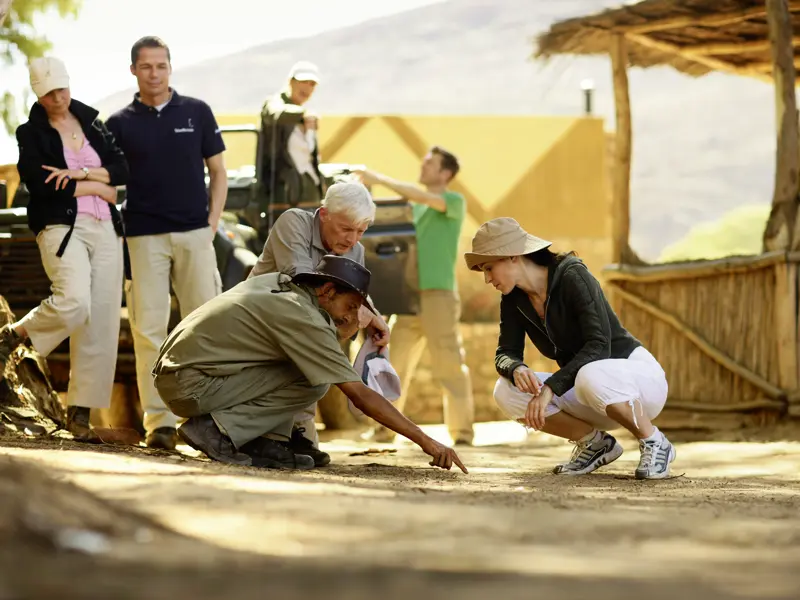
<point x="606" y="378"/>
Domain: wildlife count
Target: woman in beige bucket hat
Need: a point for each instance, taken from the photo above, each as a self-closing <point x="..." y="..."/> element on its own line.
<point x="606" y="378"/>
<point x="70" y="165"/>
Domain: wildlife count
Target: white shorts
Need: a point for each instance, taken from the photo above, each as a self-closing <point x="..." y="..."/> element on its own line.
<point x="638" y="379"/>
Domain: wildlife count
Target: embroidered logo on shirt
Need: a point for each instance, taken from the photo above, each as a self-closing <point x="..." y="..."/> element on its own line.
<point x="189" y="129"/>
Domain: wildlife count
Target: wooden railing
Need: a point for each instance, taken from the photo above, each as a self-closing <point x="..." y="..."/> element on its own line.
<point x="725" y="331"/>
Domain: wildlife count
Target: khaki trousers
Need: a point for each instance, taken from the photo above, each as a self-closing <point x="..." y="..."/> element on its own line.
<point x="254" y="402"/>
<point x="186" y="259"/>
<point x="437" y="327"/>
<point x="84" y="306"/>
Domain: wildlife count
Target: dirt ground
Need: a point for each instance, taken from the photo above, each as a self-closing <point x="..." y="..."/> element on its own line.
<point x="115" y="522"/>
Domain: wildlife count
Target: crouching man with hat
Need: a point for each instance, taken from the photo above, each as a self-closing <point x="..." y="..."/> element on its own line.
<point x="240" y="367"/>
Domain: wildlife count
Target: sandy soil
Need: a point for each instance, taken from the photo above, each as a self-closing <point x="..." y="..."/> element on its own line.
<point x="387" y="524"/>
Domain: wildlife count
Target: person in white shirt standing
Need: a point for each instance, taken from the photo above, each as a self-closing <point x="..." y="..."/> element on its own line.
<point x="290" y="164"/>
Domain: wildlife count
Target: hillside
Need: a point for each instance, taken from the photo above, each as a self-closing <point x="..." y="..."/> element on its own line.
<point x="701" y="146"/>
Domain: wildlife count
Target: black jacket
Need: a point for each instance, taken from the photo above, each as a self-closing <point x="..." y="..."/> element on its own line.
<point x="579" y="326"/>
<point x="40" y="144"/>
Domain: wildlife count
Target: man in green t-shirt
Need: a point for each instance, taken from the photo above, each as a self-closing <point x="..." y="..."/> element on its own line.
<point x="438" y="217"/>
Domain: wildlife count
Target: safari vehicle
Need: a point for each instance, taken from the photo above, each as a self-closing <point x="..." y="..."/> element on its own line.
<point x="389" y="244"/>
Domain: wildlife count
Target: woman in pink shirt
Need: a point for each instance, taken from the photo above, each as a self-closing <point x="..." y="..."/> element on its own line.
<point x="71" y="166"/>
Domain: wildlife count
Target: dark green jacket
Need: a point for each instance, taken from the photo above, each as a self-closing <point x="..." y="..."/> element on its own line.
<point x="278" y="119"/>
<point x="579" y="326"/>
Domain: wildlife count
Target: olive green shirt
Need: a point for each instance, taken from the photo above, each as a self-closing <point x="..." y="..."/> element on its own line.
<point x="266" y="321"/>
<point x="437" y="242"/>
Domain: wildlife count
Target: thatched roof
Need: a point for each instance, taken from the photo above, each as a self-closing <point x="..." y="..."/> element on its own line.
<point x="693" y="36"/>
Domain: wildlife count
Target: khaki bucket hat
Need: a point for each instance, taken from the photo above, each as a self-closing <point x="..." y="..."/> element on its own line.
<point x="501" y="238"/>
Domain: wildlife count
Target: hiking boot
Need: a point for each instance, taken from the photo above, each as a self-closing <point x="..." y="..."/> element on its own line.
<point x="300" y="444"/>
<point x="202" y="433"/>
<point x="591" y="455"/>
<point x="78" y="425"/>
<point x="9" y="340"/>
<point x="162" y="438"/>
<point x="656" y="457"/>
<point x="271" y="454"/>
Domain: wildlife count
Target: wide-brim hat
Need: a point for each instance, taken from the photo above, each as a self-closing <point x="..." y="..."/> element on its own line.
<point x="501" y="238"/>
<point x="342" y="271"/>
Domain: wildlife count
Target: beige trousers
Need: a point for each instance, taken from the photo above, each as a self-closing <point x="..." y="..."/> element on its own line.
<point x="437" y="327"/>
<point x="86" y="288"/>
<point x="186" y="259"/>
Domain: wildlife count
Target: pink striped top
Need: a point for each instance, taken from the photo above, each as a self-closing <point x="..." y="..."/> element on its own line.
<point x="87" y="157"/>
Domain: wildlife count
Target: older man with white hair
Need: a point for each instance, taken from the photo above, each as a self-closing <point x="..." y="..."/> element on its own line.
<point x="296" y="244"/>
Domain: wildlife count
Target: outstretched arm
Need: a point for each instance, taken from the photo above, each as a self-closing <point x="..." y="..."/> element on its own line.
<point x="377" y="407"/>
<point x="407" y="190"/>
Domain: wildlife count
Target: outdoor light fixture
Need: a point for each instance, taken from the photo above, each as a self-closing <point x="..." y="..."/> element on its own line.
<point x="587" y="85"/>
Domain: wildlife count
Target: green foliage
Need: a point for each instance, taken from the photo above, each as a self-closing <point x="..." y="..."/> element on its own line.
<point x="737" y="233"/>
<point x="20" y="42"/>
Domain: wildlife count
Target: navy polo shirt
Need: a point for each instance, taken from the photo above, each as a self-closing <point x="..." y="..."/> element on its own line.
<point x="166" y="151"/>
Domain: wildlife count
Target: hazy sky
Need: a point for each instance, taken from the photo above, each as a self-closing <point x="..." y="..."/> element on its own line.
<point x="96" y="46"/>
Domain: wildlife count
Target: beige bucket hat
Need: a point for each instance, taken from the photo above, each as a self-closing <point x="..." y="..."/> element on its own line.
<point x="501" y="238"/>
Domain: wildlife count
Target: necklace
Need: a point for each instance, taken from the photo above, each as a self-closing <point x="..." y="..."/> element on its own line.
<point x="74" y="136"/>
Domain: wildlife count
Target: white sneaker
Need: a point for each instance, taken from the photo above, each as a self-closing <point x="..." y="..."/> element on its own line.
<point x="656" y="458"/>
<point x="590" y="456"/>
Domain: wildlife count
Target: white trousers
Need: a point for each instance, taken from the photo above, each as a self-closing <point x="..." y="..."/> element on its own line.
<point x="187" y="259"/>
<point x="85" y="303"/>
<point x="637" y="380"/>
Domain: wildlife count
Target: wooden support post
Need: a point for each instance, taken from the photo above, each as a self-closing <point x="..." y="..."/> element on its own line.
<point x="786" y="325"/>
<point x="622" y="151"/>
<point x="780" y="233"/>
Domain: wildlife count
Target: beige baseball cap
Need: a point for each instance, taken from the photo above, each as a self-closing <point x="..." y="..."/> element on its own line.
<point x="47" y="74"/>
<point x="304" y="71"/>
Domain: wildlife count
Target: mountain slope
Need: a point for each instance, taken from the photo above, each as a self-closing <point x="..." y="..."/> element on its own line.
<point x="701" y="146"/>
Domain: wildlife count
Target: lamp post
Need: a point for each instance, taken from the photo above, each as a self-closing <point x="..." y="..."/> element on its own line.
<point x="587" y="85"/>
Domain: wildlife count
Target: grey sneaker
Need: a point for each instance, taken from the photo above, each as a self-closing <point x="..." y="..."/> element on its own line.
<point x="9" y="340"/>
<point x="656" y="458"/>
<point x="202" y="433"/>
<point x="590" y="456"/>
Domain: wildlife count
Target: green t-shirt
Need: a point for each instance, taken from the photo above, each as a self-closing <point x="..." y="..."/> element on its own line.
<point x="437" y="242"/>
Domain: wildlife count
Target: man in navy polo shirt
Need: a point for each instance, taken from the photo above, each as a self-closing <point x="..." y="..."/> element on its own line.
<point x="169" y="218"/>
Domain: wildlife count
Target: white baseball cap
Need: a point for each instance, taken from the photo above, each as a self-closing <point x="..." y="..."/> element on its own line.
<point x="377" y="373"/>
<point x="47" y="74"/>
<point x="304" y="71"/>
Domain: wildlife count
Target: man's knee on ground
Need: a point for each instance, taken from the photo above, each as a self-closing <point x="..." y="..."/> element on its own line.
<point x="179" y="403"/>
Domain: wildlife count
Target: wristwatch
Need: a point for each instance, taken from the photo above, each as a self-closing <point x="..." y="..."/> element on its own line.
<point x="85" y="172"/>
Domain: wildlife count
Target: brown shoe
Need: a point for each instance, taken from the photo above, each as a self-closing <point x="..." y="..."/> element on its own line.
<point x="78" y="425"/>
<point x="162" y="438"/>
<point x="202" y="434"/>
